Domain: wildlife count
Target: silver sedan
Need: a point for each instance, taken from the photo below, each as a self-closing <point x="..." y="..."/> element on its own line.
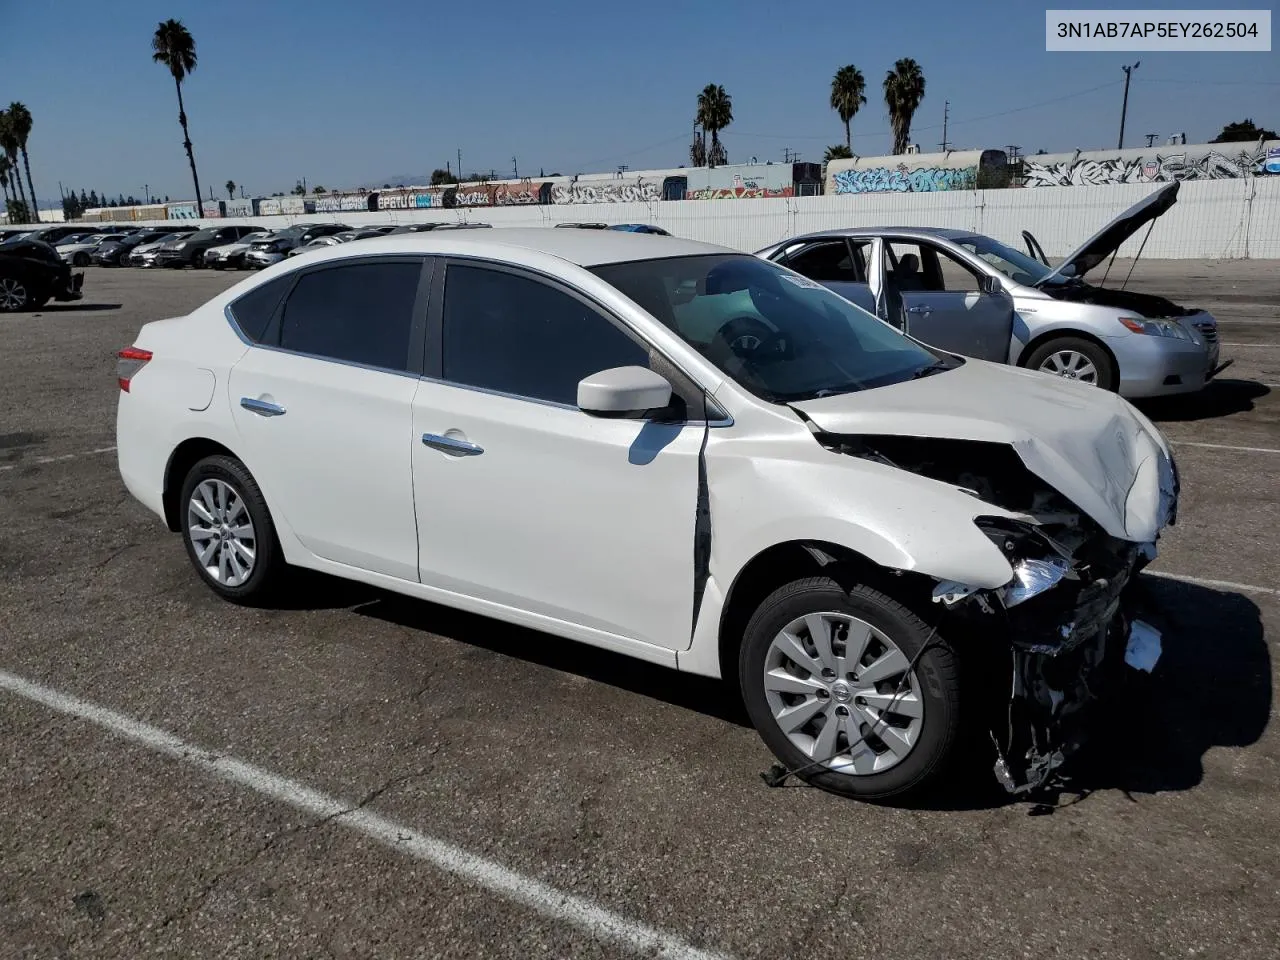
<point x="972" y="295"/>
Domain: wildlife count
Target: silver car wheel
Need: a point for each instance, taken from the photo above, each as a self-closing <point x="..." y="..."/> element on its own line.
<point x="843" y="693"/>
<point x="1072" y="365"/>
<point x="221" y="532"/>
<point x="12" y="294"/>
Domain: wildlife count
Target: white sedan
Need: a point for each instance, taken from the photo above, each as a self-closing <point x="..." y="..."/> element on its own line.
<point x="677" y="452"/>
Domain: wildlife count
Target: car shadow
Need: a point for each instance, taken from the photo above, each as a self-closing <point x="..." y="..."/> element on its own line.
<point x="1212" y="687"/>
<point x="75" y="308"/>
<point x="1219" y="399"/>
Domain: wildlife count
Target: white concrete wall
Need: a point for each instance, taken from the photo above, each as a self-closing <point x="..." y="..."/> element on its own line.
<point x="1213" y="219"/>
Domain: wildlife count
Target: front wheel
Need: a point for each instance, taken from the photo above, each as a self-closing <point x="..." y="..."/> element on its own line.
<point x="851" y="690"/>
<point x="228" y="531"/>
<point x="14" y="295"/>
<point x="1074" y="358"/>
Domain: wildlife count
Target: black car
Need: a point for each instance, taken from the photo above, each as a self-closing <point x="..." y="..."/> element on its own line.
<point x="54" y="235"/>
<point x="189" y="251"/>
<point x="32" y="274"/>
<point x="111" y="253"/>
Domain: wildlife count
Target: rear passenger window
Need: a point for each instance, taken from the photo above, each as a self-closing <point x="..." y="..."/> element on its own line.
<point x="521" y="336"/>
<point x="359" y="313"/>
<point x="253" y="311"/>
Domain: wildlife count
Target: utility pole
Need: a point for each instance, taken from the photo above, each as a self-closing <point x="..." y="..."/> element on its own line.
<point x="515" y="168"/>
<point x="787" y="156"/>
<point x="1124" y="109"/>
<point x="459" y="164"/>
<point x="946" y="115"/>
<point x="1152" y="138"/>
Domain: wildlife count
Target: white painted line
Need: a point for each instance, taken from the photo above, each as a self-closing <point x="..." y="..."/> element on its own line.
<point x="540" y="897"/>
<point x="59" y="459"/>
<point x="1223" y="446"/>
<point x="1261" y="346"/>
<point x="1224" y="584"/>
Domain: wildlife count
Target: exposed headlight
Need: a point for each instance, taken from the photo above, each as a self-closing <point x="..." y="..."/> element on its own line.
<point x="1034" y="577"/>
<point x="181" y="245"/>
<point x="1156" y="328"/>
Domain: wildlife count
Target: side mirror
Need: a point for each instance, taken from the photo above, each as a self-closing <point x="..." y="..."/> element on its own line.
<point x="991" y="286"/>
<point x="623" y="392"/>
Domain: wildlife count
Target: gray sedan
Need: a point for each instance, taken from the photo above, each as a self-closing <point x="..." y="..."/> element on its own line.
<point x="972" y="295"/>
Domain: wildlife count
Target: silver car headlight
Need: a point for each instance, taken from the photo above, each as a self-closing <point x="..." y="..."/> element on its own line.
<point x="1033" y="577"/>
<point x="1156" y="328"/>
<point x="1039" y="564"/>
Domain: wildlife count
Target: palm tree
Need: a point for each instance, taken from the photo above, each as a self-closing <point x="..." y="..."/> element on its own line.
<point x="837" y="151"/>
<point x="9" y="146"/>
<point x="903" y="91"/>
<point x="848" y="96"/>
<point x="715" y="112"/>
<point x="173" y="46"/>
<point x="4" y="178"/>
<point x="231" y="189"/>
<point x="21" y="122"/>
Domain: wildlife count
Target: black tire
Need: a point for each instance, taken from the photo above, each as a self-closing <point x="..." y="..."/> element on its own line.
<point x="268" y="571"/>
<point x="80" y="260"/>
<point x="938" y="742"/>
<point x="1107" y="379"/>
<point x="15" y="293"/>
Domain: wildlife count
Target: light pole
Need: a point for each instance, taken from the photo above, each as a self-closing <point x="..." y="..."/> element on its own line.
<point x="1128" y="72"/>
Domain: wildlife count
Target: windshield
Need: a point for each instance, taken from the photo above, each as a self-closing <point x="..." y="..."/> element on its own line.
<point x="1017" y="266"/>
<point x="208" y="234"/>
<point x="780" y="335"/>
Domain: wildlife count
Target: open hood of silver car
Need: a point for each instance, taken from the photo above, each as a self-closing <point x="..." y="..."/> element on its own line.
<point x="1107" y="240"/>
<point x="1089" y="445"/>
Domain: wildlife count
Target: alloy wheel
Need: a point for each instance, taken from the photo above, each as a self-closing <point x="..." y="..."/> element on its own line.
<point x="221" y="532"/>
<point x="1072" y="365"/>
<point x="13" y="295"/>
<point x="843" y="693"/>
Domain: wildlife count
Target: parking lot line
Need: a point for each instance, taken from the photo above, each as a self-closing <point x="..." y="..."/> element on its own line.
<point x="65" y="456"/>
<point x="540" y="897"/>
<point x="1223" y="584"/>
<point x="1223" y="446"/>
<point x="1236" y="343"/>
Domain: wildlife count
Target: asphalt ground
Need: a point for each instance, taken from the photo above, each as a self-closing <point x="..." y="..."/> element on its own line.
<point x="484" y="791"/>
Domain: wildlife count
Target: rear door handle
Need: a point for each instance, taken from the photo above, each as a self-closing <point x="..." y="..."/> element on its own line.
<point x="464" y="448"/>
<point x="920" y="309"/>
<point x="262" y="407"/>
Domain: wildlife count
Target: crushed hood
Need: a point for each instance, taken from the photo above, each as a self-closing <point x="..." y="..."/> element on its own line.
<point x="1086" y="443"/>
<point x="1107" y="240"/>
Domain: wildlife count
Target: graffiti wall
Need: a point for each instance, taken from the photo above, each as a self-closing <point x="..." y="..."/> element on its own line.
<point x="613" y="190"/>
<point x="244" y="207"/>
<point x="272" y="206"/>
<point x="751" y="180"/>
<point x="336" y="202"/>
<point x="181" y="211"/>
<point x="913" y="172"/>
<point x="1207" y="161"/>
<point x="211" y="209"/>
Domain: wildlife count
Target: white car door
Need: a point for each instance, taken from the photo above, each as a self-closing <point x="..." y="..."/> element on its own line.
<point x="524" y="500"/>
<point x="323" y="404"/>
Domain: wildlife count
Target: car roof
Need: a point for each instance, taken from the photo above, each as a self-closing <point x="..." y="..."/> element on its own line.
<point x="943" y="233"/>
<point x="586" y="248"/>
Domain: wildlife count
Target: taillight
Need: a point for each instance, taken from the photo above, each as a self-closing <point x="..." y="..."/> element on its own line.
<point x="128" y="362"/>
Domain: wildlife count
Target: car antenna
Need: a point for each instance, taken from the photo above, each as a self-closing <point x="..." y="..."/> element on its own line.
<point x="1141" y="247"/>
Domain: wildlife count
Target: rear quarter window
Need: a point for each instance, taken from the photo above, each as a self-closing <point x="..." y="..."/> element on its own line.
<point x="254" y="310"/>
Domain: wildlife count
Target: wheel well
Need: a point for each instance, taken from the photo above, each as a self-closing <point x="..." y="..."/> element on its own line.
<point x="795" y="560"/>
<point x="187" y="455"/>
<point x="1025" y="357"/>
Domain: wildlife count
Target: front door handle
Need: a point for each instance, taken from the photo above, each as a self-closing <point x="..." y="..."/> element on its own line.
<point x="262" y="407"/>
<point x="920" y="309"/>
<point x="463" y="448"/>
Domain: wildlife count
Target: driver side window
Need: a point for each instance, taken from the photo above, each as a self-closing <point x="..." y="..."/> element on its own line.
<point x="957" y="277"/>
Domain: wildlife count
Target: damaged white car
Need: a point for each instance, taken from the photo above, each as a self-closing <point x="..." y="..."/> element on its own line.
<point x="677" y="452"/>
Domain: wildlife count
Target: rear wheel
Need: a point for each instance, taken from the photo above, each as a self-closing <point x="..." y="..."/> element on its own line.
<point x="1074" y="358"/>
<point x="228" y="531"/>
<point x="80" y="260"/>
<point x="14" y="294"/>
<point x="851" y="690"/>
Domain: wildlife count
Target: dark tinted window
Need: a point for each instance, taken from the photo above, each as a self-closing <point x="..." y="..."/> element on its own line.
<point x="520" y="336"/>
<point x="253" y="311"/>
<point x="826" y="262"/>
<point x="359" y="312"/>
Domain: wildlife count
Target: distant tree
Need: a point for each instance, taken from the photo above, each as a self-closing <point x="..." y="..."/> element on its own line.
<point x="715" y="112"/>
<point x="18" y="212"/>
<point x="20" y="122"/>
<point x="71" y="209"/>
<point x="848" y="96"/>
<point x="386" y="186"/>
<point x="556" y="174"/>
<point x="5" y="168"/>
<point x="9" y="147"/>
<point x="439" y="177"/>
<point x="230" y="186"/>
<point x="698" y="150"/>
<point x="93" y="199"/>
<point x="837" y="151"/>
<point x="173" y="46"/>
<point x="299" y="190"/>
<point x="166" y="198"/>
<point x="120" y="200"/>
<point x="1236" y="132"/>
<point x="318" y="190"/>
<point x="131" y="201"/>
<point x="903" y="91"/>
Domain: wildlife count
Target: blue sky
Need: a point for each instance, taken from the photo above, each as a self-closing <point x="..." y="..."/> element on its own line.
<point x="345" y="92"/>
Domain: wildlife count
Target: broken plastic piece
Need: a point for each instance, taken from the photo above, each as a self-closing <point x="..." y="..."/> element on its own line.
<point x="951" y="592"/>
<point x="1144" y="648"/>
